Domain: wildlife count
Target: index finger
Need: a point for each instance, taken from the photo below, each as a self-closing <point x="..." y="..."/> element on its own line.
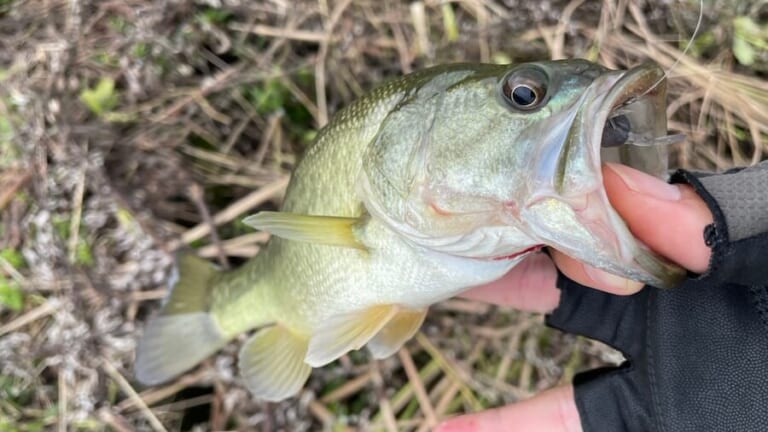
<point x="552" y="411"/>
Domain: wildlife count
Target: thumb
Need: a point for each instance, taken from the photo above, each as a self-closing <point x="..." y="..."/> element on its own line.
<point x="670" y="219"/>
<point x="552" y="411"/>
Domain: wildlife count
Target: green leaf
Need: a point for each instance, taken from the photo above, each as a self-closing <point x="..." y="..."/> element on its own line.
<point x="11" y="295"/>
<point x="450" y="25"/>
<point x="215" y="16"/>
<point x="102" y="98"/>
<point x="83" y="254"/>
<point x="749" y="39"/>
<point x="14" y="258"/>
<point x="743" y="51"/>
<point x="6" y="130"/>
<point x="501" y="58"/>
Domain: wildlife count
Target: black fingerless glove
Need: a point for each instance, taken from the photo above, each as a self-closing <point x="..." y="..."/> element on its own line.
<point x="697" y="355"/>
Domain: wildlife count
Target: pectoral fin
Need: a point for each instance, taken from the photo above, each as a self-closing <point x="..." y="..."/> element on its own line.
<point x="397" y="332"/>
<point x="272" y="363"/>
<point x="339" y="335"/>
<point x="330" y="230"/>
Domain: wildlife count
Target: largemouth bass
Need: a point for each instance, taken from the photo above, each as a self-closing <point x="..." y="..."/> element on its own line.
<point x="433" y="183"/>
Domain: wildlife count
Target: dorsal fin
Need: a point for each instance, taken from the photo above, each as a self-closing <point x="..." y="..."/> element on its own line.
<point x="329" y="230"/>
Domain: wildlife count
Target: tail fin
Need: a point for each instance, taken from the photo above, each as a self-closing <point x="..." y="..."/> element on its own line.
<point x="184" y="333"/>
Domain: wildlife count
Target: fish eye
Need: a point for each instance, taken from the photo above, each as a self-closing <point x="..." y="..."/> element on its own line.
<point x="525" y="89"/>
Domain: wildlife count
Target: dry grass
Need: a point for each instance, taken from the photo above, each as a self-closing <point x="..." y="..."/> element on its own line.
<point x="131" y="129"/>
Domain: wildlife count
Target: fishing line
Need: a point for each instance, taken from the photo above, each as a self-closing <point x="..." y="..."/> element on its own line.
<point x="685" y="50"/>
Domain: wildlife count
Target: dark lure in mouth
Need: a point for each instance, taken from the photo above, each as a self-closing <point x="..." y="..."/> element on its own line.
<point x="636" y="110"/>
<point x="618" y="131"/>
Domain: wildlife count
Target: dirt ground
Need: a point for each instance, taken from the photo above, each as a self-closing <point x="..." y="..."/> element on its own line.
<point x="131" y="129"/>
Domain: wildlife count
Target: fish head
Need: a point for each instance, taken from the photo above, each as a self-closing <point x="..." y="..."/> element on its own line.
<point x="494" y="162"/>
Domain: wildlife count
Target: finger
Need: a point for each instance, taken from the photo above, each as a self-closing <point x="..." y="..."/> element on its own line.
<point x="670" y="219"/>
<point x="593" y="277"/>
<point x="529" y="286"/>
<point x="553" y="411"/>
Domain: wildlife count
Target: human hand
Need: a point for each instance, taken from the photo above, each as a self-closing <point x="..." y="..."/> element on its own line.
<point x="670" y="219"/>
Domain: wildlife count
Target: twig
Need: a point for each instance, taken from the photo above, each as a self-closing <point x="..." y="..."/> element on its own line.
<point x="195" y="193"/>
<point x="140" y="296"/>
<point x="477" y="8"/>
<point x="211" y="111"/>
<point x="77" y="213"/>
<point x="418" y="387"/>
<point x="15" y="181"/>
<point x="349" y="388"/>
<point x="278" y="32"/>
<point x="449" y="369"/>
<point x="194" y="95"/>
<point x="236" y="246"/>
<point x="385" y="407"/>
<point x="558" y="40"/>
<point x="236" y="133"/>
<point x="125" y="386"/>
<point x="219" y="412"/>
<point x="153" y="396"/>
<point x="404" y="395"/>
<point x="236" y="209"/>
<point x="35" y="314"/>
<point x="446" y="399"/>
<point x="185" y="404"/>
<point x="321" y="413"/>
<point x="421" y="27"/>
<point x="272" y="126"/>
<point x="115" y="421"/>
<point x="11" y="270"/>
<point x="62" y="421"/>
<point x="322" y="101"/>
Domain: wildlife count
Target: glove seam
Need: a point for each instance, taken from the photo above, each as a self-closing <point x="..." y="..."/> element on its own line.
<point x="716" y="234"/>
<point x="722" y="253"/>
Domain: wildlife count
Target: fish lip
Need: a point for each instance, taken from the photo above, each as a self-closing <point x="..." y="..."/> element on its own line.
<point x="639" y="92"/>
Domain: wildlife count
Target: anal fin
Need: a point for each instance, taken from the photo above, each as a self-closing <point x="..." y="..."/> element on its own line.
<point x="272" y="363"/>
<point x="397" y="332"/>
<point x="341" y="334"/>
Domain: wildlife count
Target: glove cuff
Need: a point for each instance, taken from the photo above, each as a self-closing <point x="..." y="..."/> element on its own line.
<point x="740" y="228"/>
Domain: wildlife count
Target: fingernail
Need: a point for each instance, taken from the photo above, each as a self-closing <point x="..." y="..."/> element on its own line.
<point x="606" y="279"/>
<point x="646" y="184"/>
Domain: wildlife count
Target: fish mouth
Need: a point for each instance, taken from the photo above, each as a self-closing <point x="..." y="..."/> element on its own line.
<point x="630" y="127"/>
<point x="621" y="118"/>
<point x="634" y="109"/>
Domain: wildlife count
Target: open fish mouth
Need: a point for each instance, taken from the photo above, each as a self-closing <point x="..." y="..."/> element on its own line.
<point x="621" y="118"/>
<point x="629" y="126"/>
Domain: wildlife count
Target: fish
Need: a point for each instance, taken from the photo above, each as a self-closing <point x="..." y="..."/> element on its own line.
<point x="433" y="183"/>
